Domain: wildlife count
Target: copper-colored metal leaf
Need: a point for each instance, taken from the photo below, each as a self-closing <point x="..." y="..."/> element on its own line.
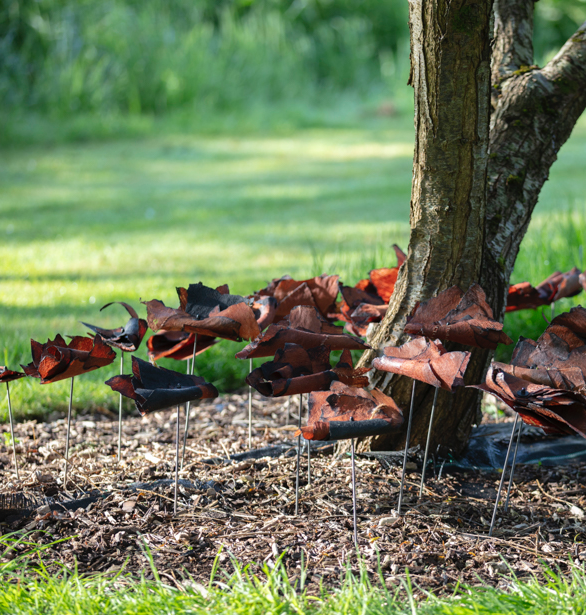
<point x="126" y="338"/>
<point x="296" y="370"/>
<point x="155" y="388"/>
<point x="58" y="360"/>
<point x="177" y="345"/>
<point x="205" y="311"/>
<point x="305" y="327"/>
<point x="569" y="284"/>
<point x="7" y="375"/>
<point x="457" y="317"/>
<point x="265" y="311"/>
<point x="523" y="296"/>
<point x="345" y="412"/>
<point x="556" y="411"/>
<point x="427" y="361"/>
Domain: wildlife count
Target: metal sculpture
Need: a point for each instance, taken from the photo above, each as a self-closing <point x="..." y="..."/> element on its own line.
<point x="7" y="375"/>
<point x="57" y="360"/>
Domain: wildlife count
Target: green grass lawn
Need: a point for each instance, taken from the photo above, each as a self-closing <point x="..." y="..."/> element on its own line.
<point x="29" y="586"/>
<point x="85" y="224"/>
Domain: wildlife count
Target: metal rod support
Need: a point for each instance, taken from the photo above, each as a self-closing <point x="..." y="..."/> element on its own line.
<point x="298" y="458"/>
<point x="308" y="442"/>
<point x="354" y="496"/>
<point x="67" y="437"/>
<point x="120" y="411"/>
<point x="12" y="431"/>
<point x="513" y="467"/>
<point x="409" y="423"/>
<point x="498" y="493"/>
<point x="250" y="410"/>
<point x="427" y="442"/>
<point x="288" y="409"/>
<point x="176" y="461"/>
<point x="188" y="405"/>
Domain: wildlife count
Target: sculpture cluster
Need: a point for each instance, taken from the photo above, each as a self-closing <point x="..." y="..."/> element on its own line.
<point x="292" y="323"/>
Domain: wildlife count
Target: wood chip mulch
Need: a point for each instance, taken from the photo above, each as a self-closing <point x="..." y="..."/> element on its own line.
<point x="247" y="507"/>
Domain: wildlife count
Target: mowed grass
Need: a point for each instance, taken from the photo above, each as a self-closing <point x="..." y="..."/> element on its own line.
<point x="85" y="224"/>
<point x="31" y="586"/>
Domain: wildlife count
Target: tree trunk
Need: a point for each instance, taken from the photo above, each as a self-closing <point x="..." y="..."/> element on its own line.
<point x="458" y="236"/>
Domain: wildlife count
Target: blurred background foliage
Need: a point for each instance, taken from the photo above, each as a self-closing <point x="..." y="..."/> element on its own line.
<point x="63" y="57"/>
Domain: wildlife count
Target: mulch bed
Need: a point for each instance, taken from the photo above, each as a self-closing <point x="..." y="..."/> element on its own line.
<point x="246" y="507"/>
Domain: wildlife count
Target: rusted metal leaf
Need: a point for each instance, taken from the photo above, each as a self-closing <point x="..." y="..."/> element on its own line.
<point x="177" y="345"/>
<point x="427" y="361"/>
<point x="7" y="375"/>
<point x="346" y="412"/>
<point x="457" y="317"/>
<point x="523" y="296"/>
<point x="556" y="411"/>
<point x="156" y="388"/>
<point x="558" y="285"/>
<point x="558" y="358"/>
<point x="265" y="310"/>
<point x="58" y="360"/>
<point x="319" y="292"/>
<point x="205" y="311"/>
<point x="126" y="338"/>
<point x="296" y="370"/>
<point x="304" y="326"/>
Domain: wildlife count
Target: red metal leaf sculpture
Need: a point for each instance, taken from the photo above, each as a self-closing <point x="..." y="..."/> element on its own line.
<point x="155" y="388"/>
<point x="7" y="375"/>
<point x="346" y="412"/>
<point x="58" y="360"/>
<point x="296" y="370"/>
<point x="126" y="338"/>
<point x="557" y="286"/>
<point x="558" y="358"/>
<point x="205" y="311"/>
<point x="265" y="311"/>
<point x="319" y="292"/>
<point x="304" y="326"/>
<point x="457" y="317"/>
<point x="427" y="361"/>
<point x="177" y="345"/>
<point x="368" y="301"/>
<point x="556" y="411"/>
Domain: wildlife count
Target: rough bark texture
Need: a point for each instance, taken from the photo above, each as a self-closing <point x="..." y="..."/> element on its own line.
<point x="456" y="236"/>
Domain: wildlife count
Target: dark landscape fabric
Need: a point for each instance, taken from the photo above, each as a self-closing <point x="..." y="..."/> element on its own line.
<point x="156" y="388"/>
<point x="305" y="327"/>
<point x="556" y="411"/>
<point x="460" y="317"/>
<point x="206" y="311"/>
<point x="295" y="370"/>
<point x="177" y="345"/>
<point x="127" y="338"/>
<point x="7" y="375"/>
<point x="57" y="360"/>
<point x="427" y="361"/>
<point x="346" y="412"/>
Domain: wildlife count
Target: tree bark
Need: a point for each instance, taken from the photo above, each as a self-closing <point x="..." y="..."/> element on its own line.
<point x="470" y="207"/>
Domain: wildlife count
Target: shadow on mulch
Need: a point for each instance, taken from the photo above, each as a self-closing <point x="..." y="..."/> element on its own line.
<point x="245" y="506"/>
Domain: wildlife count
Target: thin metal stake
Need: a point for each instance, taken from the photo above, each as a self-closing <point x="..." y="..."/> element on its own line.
<point x="308" y="452"/>
<point x="406" y="448"/>
<point x="427" y="442"/>
<point x="12" y="431"/>
<point x="68" y="430"/>
<point x="354" y="496"/>
<point x="288" y="409"/>
<point x="120" y="411"/>
<point x="192" y="366"/>
<point x="176" y="462"/>
<point x="513" y="467"/>
<point x="552" y="310"/>
<point x="298" y="457"/>
<point x="250" y="411"/>
<point x="498" y="493"/>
